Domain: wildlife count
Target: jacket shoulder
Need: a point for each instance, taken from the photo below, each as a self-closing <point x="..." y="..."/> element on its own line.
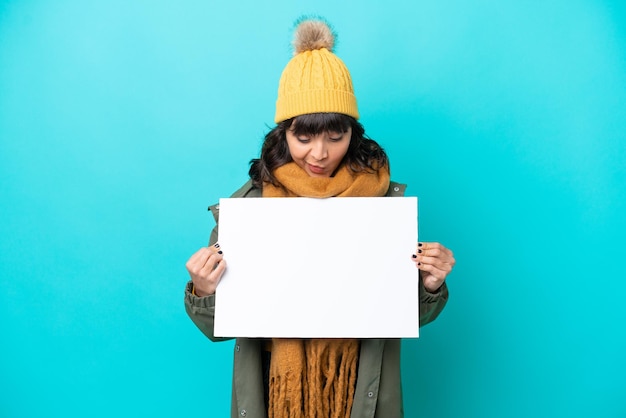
<point x="395" y="189"/>
<point x="247" y="190"/>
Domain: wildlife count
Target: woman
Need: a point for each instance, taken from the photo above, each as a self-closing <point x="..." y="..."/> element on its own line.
<point x="317" y="149"/>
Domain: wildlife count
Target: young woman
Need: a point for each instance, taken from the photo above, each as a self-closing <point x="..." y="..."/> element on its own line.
<point x="317" y="149"/>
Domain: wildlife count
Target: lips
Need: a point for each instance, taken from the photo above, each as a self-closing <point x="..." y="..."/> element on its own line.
<point x="316" y="169"/>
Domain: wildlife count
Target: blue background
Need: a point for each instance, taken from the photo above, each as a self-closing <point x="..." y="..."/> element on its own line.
<point x="120" y="121"/>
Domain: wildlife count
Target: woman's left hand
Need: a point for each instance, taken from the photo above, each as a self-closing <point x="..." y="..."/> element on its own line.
<point x="435" y="263"/>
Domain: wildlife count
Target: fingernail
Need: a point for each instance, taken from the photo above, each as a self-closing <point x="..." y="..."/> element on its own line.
<point x="419" y="244"/>
<point x="419" y="251"/>
<point x="216" y="245"/>
<point x="419" y="264"/>
<point x="414" y="256"/>
<point x="220" y="252"/>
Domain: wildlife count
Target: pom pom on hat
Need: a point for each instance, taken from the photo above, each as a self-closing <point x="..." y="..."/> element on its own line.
<point x="315" y="80"/>
<point x="313" y="34"/>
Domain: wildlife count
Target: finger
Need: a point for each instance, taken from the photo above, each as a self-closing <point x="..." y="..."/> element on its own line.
<point x="436" y="250"/>
<point x="209" y="251"/>
<point x="210" y="282"/>
<point x="445" y="265"/>
<point x="211" y="263"/>
<point x="433" y="249"/>
<point x="213" y="271"/>
<point x="198" y="259"/>
<point x="196" y="256"/>
<point x="429" y="245"/>
<point x="219" y="271"/>
<point x="427" y="264"/>
<point x="434" y="271"/>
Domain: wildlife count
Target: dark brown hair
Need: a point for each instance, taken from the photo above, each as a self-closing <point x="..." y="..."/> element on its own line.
<point x="364" y="154"/>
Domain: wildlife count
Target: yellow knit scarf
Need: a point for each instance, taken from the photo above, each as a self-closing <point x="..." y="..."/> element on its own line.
<point x="316" y="378"/>
<point x="345" y="183"/>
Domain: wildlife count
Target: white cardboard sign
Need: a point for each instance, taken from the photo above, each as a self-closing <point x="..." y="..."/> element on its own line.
<point x="318" y="268"/>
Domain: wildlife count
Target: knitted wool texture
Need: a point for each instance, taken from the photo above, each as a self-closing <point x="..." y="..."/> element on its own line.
<point x="316" y="378"/>
<point x="312" y="378"/>
<point x="315" y="80"/>
<point x="345" y="183"/>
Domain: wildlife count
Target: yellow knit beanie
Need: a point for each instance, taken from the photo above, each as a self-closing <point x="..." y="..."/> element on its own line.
<point x="315" y="80"/>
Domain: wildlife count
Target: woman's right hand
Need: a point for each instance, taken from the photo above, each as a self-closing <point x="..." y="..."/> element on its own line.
<point x="206" y="268"/>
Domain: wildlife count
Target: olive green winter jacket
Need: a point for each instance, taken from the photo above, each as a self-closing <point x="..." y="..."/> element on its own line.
<point x="378" y="391"/>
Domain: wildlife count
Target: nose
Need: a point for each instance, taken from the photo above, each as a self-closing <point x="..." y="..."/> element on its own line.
<point x="319" y="151"/>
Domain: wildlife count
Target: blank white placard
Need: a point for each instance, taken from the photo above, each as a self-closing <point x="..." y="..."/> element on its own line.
<point x="318" y="268"/>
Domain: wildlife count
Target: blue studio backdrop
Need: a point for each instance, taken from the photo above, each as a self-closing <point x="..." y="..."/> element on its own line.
<point x="121" y="121"/>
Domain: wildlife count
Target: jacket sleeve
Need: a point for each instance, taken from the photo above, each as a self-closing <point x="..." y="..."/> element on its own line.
<point x="431" y="304"/>
<point x="201" y="310"/>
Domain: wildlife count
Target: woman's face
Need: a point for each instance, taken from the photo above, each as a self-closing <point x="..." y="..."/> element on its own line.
<point x="319" y="155"/>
